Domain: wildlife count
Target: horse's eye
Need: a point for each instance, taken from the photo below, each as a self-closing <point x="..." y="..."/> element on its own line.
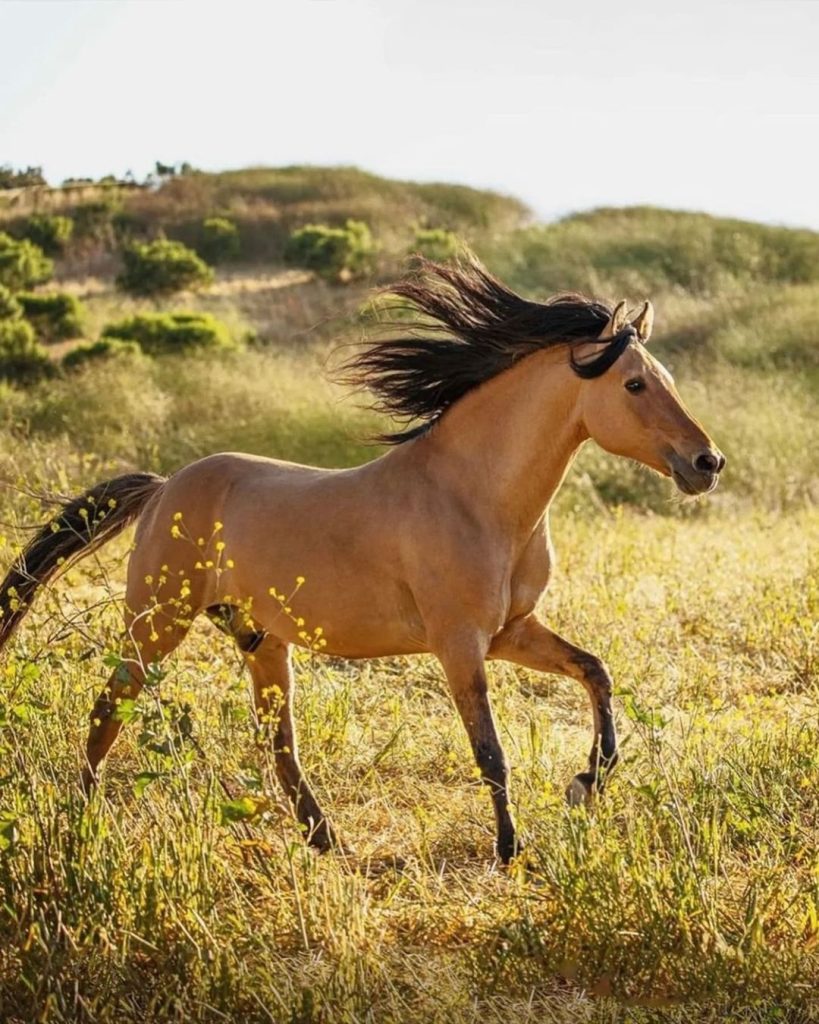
<point x="634" y="385"/>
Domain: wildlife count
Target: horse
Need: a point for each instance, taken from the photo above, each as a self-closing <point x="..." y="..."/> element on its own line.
<point x="440" y="545"/>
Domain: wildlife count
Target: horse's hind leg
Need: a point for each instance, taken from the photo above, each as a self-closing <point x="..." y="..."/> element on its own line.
<point x="270" y="668"/>
<point x="147" y="642"/>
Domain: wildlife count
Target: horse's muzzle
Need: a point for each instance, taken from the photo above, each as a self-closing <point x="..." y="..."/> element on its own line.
<point x="697" y="474"/>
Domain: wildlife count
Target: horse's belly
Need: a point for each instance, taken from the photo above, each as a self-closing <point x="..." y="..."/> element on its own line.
<point x="334" y="601"/>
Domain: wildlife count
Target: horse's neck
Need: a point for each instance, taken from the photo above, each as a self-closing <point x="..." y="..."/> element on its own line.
<point x="508" y="445"/>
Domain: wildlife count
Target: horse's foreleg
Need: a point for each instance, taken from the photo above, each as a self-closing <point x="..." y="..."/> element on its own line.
<point x="272" y="674"/>
<point x="528" y="642"/>
<point x="467" y="682"/>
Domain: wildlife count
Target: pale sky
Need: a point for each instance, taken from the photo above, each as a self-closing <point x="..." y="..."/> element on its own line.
<point x="695" y="105"/>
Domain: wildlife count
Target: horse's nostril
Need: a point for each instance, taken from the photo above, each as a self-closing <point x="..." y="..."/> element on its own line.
<point x="708" y="462"/>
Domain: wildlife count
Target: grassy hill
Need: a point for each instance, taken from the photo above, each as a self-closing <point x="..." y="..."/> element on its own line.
<point x="645" y="250"/>
<point x="736" y="305"/>
<point x="267" y="203"/>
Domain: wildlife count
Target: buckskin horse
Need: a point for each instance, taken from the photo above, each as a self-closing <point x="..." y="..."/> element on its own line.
<point x="439" y="545"/>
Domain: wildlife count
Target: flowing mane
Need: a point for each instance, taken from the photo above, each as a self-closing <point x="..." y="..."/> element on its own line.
<point x="471" y="328"/>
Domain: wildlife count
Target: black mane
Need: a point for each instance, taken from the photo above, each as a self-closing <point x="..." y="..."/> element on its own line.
<point x="473" y="328"/>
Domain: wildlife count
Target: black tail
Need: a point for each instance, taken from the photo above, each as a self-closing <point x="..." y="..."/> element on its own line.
<point x="84" y="525"/>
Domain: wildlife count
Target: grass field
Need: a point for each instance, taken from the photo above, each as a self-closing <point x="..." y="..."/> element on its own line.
<point x="695" y="880"/>
<point x="690" y="892"/>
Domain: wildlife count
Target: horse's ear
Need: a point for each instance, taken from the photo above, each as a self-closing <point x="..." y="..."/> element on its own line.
<point x="644" y="321"/>
<point x="617" y="322"/>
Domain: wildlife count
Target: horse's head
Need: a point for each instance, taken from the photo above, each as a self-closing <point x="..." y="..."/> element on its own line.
<point x="631" y="407"/>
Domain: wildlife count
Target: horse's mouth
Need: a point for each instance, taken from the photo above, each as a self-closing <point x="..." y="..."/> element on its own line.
<point x="701" y="486"/>
<point x="689" y="480"/>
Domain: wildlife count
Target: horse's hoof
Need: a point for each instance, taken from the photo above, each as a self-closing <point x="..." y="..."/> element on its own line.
<point x="521" y="861"/>
<point x="88" y="783"/>
<point x="578" y="792"/>
<point x="324" y="844"/>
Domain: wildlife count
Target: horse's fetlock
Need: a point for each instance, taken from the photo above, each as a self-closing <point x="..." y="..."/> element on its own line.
<point x="610" y="761"/>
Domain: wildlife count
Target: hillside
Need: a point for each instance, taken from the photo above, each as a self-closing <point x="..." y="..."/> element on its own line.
<point x="735" y="301"/>
<point x="267" y="203"/>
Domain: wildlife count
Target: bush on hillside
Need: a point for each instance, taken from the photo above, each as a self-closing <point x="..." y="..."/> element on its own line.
<point x="97" y="351"/>
<point x="128" y="226"/>
<point x="158" y="333"/>
<point x="51" y="232"/>
<point x="9" y="178"/>
<point x="22" y="264"/>
<point x="435" y="244"/>
<point x="162" y="267"/>
<point x="338" y="254"/>
<point x="54" y="316"/>
<point x="10" y="308"/>
<point x="93" y="221"/>
<point x="22" y="358"/>
<point x="220" y="240"/>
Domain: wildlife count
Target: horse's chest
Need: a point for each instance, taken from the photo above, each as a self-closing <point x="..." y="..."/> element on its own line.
<point x="530" y="576"/>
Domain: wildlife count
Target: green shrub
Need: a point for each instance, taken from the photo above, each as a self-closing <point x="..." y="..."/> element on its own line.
<point x="22" y="358"/>
<point x="10" y="308"/>
<point x="22" y="264"/>
<point x="9" y="178"/>
<point x="55" y="315"/>
<point x="93" y="221"/>
<point x="96" y="351"/>
<point x="158" y="333"/>
<point x="220" y="240"/>
<point x="128" y="226"/>
<point x="162" y="267"/>
<point x="435" y="244"/>
<point x="51" y="233"/>
<point x="339" y="254"/>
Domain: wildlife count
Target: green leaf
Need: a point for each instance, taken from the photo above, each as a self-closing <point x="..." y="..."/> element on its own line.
<point x="643" y="716"/>
<point x="9" y="833"/>
<point x="143" y="780"/>
<point x="126" y="710"/>
<point x="241" y="809"/>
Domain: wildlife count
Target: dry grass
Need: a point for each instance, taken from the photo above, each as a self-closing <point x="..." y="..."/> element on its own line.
<point x="694" y="884"/>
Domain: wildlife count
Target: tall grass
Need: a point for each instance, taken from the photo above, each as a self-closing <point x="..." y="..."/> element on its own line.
<point x="693" y="884"/>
